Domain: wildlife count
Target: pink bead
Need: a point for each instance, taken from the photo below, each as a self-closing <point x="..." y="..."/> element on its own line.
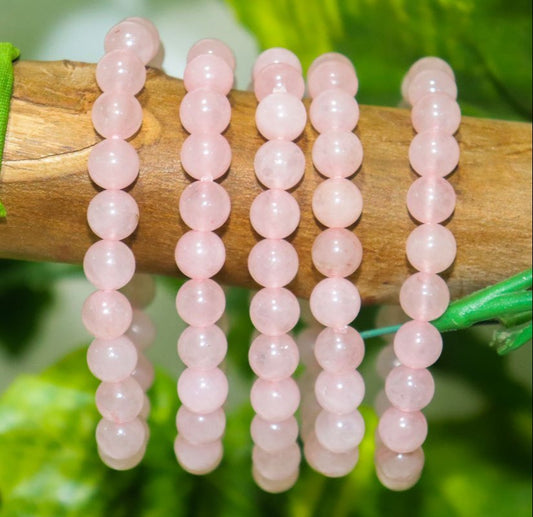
<point x="424" y="296"/>
<point x="431" y="199"/>
<point x="339" y="433"/>
<point x="277" y="465"/>
<point x="274" y="436"/>
<point x="332" y="74"/>
<point x="431" y="81"/>
<point x="273" y="262"/>
<point x="425" y="63"/>
<point x="335" y="302"/>
<point x="120" y="401"/>
<point x="337" y="252"/>
<point x="276" y="55"/>
<point x="106" y="314"/>
<point x="280" y="115"/>
<point x="340" y="392"/>
<point x="200" y="303"/>
<point x="275" y="486"/>
<point x="197" y="428"/>
<point x="112" y="360"/>
<point x="274" y="311"/>
<point x="152" y="29"/>
<point x="279" y="164"/>
<point x="204" y="206"/>
<point x="144" y="372"/>
<point x="386" y="361"/>
<point x="109" y="264"/>
<point x="431" y="248"/>
<point x="402" y="431"/>
<point x="330" y="464"/>
<point x="339" y="351"/>
<point x="200" y="254"/>
<point x="140" y="290"/>
<point x="337" y="154"/>
<point x="120" y="441"/>
<point x="274" y="214"/>
<point x="278" y="78"/>
<point x="433" y="153"/>
<point x="124" y="464"/>
<point x="121" y="71"/>
<point x="273" y="357"/>
<point x="337" y="203"/>
<point x="202" y="391"/>
<point x="436" y="112"/>
<point x="398" y="471"/>
<point x="205" y="156"/>
<point x="334" y="110"/>
<point x="113" y="164"/>
<point x="209" y="72"/>
<point x="142" y="330"/>
<point x="329" y="56"/>
<point x="133" y="35"/>
<point x="203" y="348"/>
<point x="409" y="389"/>
<point x="275" y="401"/>
<point x="213" y="47"/>
<point x="116" y="115"/>
<point x="418" y="344"/>
<point x="205" y="111"/>
<point x="198" y="459"/>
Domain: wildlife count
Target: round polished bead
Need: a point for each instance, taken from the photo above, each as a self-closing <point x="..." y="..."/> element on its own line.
<point x="274" y="214"/>
<point x="431" y="81"/>
<point x="402" y="431"/>
<point x="116" y="115"/>
<point x="112" y="360"/>
<point x="106" y="314"/>
<point x="136" y="36"/>
<point x="339" y="392"/>
<point x="205" y="156"/>
<point x="278" y="78"/>
<point x="121" y="71"/>
<point x="425" y="63"/>
<point x="436" y="112"/>
<point x="125" y="464"/>
<point x="409" y="389"/>
<point x="279" y="464"/>
<point x="424" y="296"/>
<point x="279" y="164"/>
<point x="275" y="486"/>
<point x="152" y="29"/>
<point x="202" y="347"/>
<point x="205" y="111"/>
<point x="339" y="350"/>
<point x="113" y="164"/>
<point x="210" y="72"/>
<point x="431" y="199"/>
<point x="431" y="248"/>
<point x="120" y="441"/>
<point x="200" y="254"/>
<point x="398" y="471"/>
<point x="335" y="302"/>
<point x="386" y="361"/>
<point x="202" y="391"/>
<point x="334" y="110"/>
<point x="433" y="153"/>
<point x="329" y="56"/>
<point x="274" y="311"/>
<point x="337" y="154"/>
<point x="330" y="74"/>
<point x="337" y="252"/>
<point x="273" y="357"/>
<point x="198" y="428"/>
<point x="198" y="459"/>
<point x="337" y="203"/>
<point x="418" y="344"/>
<point x="275" y="401"/>
<point x="140" y="290"/>
<point x="142" y="330"/>
<point x="213" y="47"/>
<point x="273" y="262"/>
<point x="280" y="115"/>
<point x="339" y="433"/>
<point x="144" y="372"/>
<point x="274" y="436"/>
<point x="276" y="55"/>
<point x="120" y="401"/>
<point x="200" y="303"/>
<point x="327" y="463"/>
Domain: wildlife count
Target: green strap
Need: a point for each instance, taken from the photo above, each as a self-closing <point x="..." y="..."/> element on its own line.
<point x="8" y="53"/>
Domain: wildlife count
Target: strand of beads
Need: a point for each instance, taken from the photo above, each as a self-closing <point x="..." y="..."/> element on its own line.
<point x="273" y="263"/>
<point x="204" y="206"/>
<point x="109" y="264"/>
<point x="335" y="302"/>
<point x="434" y="153"/>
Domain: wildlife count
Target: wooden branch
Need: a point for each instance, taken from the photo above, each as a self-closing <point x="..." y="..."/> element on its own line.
<point x="46" y="189"/>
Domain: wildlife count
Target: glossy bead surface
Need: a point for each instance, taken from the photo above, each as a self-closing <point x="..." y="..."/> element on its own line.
<point x="200" y="255"/>
<point x="117" y="115"/>
<point x="436" y="111"/>
<point x="213" y="47"/>
<point x="276" y="55"/>
<point x="409" y="389"/>
<point x="278" y="78"/>
<point x="433" y="153"/>
<point x="200" y="428"/>
<point x="132" y="35"/>
<point x="202" y="347"/>
<point x="424" y="296"/>
<point x="274" y="214"/>
<point x="106" y="314"/>
<point x="279" y="164"/>
<point x="335" y="302"/>
<point x="337" y="154"/>
<point x="140" y="290"/>
<point x="398" y="471"/>
<point x="431" y="248"/>
<point x="113" y="164"/>
<point x="205" y="111"/>
<point x="339" y="392"/>
<point x="274" y="311"/>
<point x="339" y="350"/>
<point x="431" y="199"/>
<point x="334" y="110"/>
<point x="209" y="72"/>
<point x="274" y="436"/>
<point x="124" y="464"/>
<point x="402" y="431"/>
<point x="200" y="303"/>
<point x="142" y="330"/>
<point x="273" y="357"/>
<point x="198" y="459"/>
<point x="280" y="115"/>
<point x="330" y="464"/>
<point x="339" y="433"/>
<point x="337" y="203"/>
<point x="273" y="262"/>
<point x="121" y="71"/>
<point x="120" y="401"/>
<point x="120" y="441"/>
<point x="205" y="156"/>
<point x="332" y="74"/>
<point x="431" y="81"/>
<point x="275" y="401"/>
<point x="275" y="486"/>
<point x="112" y="360"/>
<point x="144" y="372"/>
<point x="418" y="344"/>
<point x="276" y="465"/>
<point x="337" y="252"/>
<point x="202" y="391"/>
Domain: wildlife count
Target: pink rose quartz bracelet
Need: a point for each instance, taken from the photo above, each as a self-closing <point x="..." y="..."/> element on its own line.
<point x="434" y="153"/>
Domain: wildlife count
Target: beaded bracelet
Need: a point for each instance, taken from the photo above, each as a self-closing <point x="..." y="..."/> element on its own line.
<point x="434" y="153"/>
<point x="204" y="206"/>
<point x="109" y="264"/>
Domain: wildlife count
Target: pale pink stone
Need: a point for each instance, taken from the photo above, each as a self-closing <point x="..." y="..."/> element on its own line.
<point x="279" y="164"/>
<point x="202" y="391"/>
<point x="275" y="486"/>
<point x="335" y="302"/>
<point x="398" y="471"/>
<point x="106" y="314"/>
<point x="197" y="428"/>
<point x="409" y="389"/>
<point x="334" y="110"/>
<point x="402" y="431"/>
<point x="120" y="441"/>
<point x="205" y="156"/>
<point x="434" y="153"/>
<point x="431" y="199"/>
<point x="275" y="400"/>
<point x="386" y="361"/>
<point x="436" y="112"/>
<point x="140" y="290"/>
<point x="204" y="206"/>
<point x="327" y="463"/>
<point x="198" y="459"/>
<point x="144" y="372"/>
<point x="273" y="357"/>
<point x="274" y="311"/>
<point x="112" y="360"/>
<point x="135" y="35"/>
<point x="273" y="262"/>
<point x="116" y="115"/>
<point x="276" y="55"/>
<point x="274" y="436"/>
<point x="213" y="47"/>
<point x="418" y="344"/>
<point x="431" y="248"/>
<point x="274" y="214"/>
<point x="278" y="78"/>
<point x="425" y="63"/>
<point x="203" y="348"/>
<point x="200" y="303"/>
<point x="209" y="72"/>
<point x="125" y="464"/>
<point x="329" y="56"/>
<point x="120" y="401"/>
<point x="337" y="154"/>
<point x="431" y="81"/>
<point x="340" y="392"/>
<point x="276" y="465"/>
<point x="337" y="252"/>
<point x="200" y="254"/>
<point x="339" y="350"/>
<point x="280" y="115"/>
<point x="424" y="296"/>
<point x="146" y="23"/>
<point x="142" y="330"/>
<point x="337" y="203"/>
<point x="381" y="404"/>
<point x="330" y="74"/>
<point x="121" y="71"/>
<point x="339" y="433"/>
<point x="205" y="111"/>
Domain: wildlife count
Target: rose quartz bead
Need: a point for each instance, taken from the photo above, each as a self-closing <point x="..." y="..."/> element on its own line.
<point x="280" y="115"/>
<point x="274" y="436"/>
<point x="433" y="153"/>
<point x="275" y="486"/>
<point x="402" y="431"/>
<point x="202" y="347"/>
<point x="202" y="391"/>
<point x="329" y="56"/>
<point x="109" y="264"/>
<point x="274" y="311"/>
<point x="200" y="303"/>
<point x="106" y="314"/>
<point x="124" y="464"/>
<point x="330" y="464"/>
<point x="340" y="392"/>
<point x="418" y="344"/>
<point x="146" y="23"/>
<point x="120" y="440"/>
<point x="436" y="112"/>
<point x="425" y="63"/>
<point x="112" y="360"/>
<point x="337" y="203"/>
<point x="273" y="262"/>
<point x="431" y="199"/>
<point x="198" y="458"/>
<point x="275" y="400"/>
<point x="116" y="115"/>
<point x="273" y="357"/>
<point x="335" y="302"/>
<point x="409" y="389"/>
<point x="337" y="252"/>
<point x="274" y="214"/>
<point x="204" y="206"/>
<point x="339" y="351"/>
<point x="200" y="254"/>
<point x="276" y="55"/>
<point x="121" y="71"/>
<point x="205" y="156"/>
<point x="431" y="248"/>
<point x="339" y="433"/>
<point x="133" y="35"/>
<point x="332" y="74"/>
<point x="386" y="361"/>
<point x="140" y="290"/>
<point x="205" y="111"/>
<point x="424" y="296"/>
<point x="431" y="81"/>
<point x="144" y="372"/>
<point x="197" y="428"/>
<point x="142" y="330"/>
<point x="398" y="471"/>
<point x="279" y="164"/>
<point x="120" y="401"/>
<point x="334" y="110"/>
<point x="277" y="465"/>
<point x="278" y="78"/>
<point x="337" y="154"/>
<point x="210" y="72"/>
<point x="213" y="47"/>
